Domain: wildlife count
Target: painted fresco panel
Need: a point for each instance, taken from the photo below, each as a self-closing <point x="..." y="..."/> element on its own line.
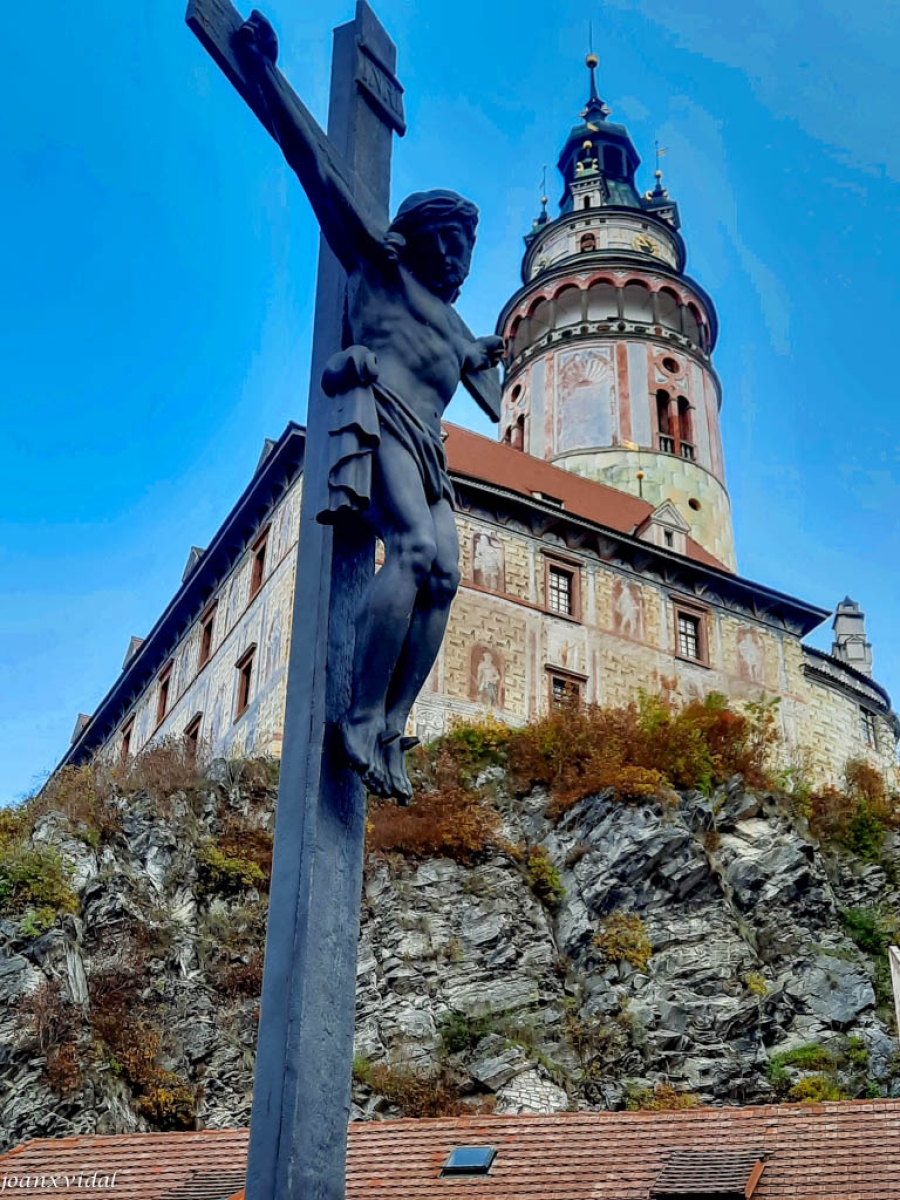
<point x="638" y="385"/>
<point x="586" y="399"/>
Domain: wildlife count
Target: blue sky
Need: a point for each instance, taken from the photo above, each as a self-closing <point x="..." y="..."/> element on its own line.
<point x="159" y="267"/>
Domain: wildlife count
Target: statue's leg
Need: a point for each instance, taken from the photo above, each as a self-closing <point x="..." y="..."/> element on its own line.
<point x="402" y="519"/>
<point x="423" y="642"/>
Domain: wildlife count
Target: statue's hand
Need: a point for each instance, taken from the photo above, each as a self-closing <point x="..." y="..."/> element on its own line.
<point x="484" y="352"/>
<point x="256" y="38"/>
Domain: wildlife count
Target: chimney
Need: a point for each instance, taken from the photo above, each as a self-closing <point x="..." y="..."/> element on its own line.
<point x="850" y="645"/>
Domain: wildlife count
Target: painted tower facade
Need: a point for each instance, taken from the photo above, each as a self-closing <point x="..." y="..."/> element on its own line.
<point x="609" y="341"/>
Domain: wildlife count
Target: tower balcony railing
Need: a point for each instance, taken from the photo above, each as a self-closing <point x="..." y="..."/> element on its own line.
<point x="687" y="451"/>
<point x="666" y="444"/>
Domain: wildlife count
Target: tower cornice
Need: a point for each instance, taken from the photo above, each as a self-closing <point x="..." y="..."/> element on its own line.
<point x="613" y="260"/>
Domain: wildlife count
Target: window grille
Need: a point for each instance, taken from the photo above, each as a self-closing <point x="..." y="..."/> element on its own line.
<point x="688" y="636"/>
<point x="559" y="586"/>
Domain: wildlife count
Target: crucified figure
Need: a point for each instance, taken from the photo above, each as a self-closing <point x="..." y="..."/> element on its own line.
<point x="408" y="350"/>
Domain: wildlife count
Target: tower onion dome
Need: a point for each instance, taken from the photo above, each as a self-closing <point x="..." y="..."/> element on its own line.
<point x="601" y="152"/>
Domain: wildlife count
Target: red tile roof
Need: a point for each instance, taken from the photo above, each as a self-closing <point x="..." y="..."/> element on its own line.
<point x="477" y="457"/>
<point x="842" y="1151"/>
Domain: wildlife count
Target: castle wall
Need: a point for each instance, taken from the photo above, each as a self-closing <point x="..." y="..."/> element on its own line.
<point x="503" y="648"/>
<point x="241" y="622"/>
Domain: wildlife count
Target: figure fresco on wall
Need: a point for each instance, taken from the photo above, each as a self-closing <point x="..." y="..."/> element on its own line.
<point x="628" y="609"/>
<point x="585" y="399"/>
<point x="488" y="562"/>
<point x="486" y="676"/>
<point x="273" y="648"/>
<point x="751" y="656"/>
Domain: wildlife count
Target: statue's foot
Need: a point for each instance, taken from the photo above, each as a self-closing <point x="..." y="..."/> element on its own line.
<point x="359" y="738"/>
<point x="395" y="760"/>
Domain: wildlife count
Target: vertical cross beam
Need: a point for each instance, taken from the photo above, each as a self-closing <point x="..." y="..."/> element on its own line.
<point x="301" y="1098"/>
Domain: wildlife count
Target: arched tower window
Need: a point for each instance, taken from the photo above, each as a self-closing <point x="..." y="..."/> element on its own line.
<point x="567" y="306"/>
<point x="588" y="242"/>
<point x="685" y="428"/>
<point x="602" y="302"/>
<point x="586" y="203"/>
<point x="690" y="324"/>
<point x="637" y="303"/>
<point x="662" y="412"/>
<point x="669" y="309"/>
<point x="541" y="320"/>
<point x="517" y="433"/>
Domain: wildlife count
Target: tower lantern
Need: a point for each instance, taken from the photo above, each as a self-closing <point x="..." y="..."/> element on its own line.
<point x="609" y="341"/>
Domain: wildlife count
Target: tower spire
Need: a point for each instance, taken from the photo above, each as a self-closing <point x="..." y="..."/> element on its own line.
<point x="595" y="107"/>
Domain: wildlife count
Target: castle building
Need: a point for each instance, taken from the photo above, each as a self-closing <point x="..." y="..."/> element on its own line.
<point x="597" y="550"/>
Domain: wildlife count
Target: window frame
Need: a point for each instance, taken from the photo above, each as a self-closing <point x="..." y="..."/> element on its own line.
<point x="244" y="668"/>
<point x="125" y="744"/>
<point x="163" y="692"/>
<point x="700" y="614"/>
<point x="572" y="568"/>
<point x="869" y="724"/>
<point x="259" y="552"/>
<point x="207" y="624"/>
<point x="571" y="680"/>
<point x="191" y="735"/>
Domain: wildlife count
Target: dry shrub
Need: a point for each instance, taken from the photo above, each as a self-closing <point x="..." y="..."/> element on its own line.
<point x="124" y="1023"/>
<point x="242" y="838"/>
<point x="55" y="1025"/>
<point x="85" y="795"/>
<point x="234" y="978"/>
<point x="643" y="748"/>
<point x="419" y="1093"/>
<point x="167" y="766"/>
<point x="857" y="815"/>
<point x="446" y="817"/>
<point x="658" y="1099"/>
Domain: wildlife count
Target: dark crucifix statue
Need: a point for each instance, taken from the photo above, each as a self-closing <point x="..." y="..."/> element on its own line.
<point x="408" y="351"/>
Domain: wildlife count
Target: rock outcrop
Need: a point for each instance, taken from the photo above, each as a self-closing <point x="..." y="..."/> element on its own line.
<point x="705" y="950"/>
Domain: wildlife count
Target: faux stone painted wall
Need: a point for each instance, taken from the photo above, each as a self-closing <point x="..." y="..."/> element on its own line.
<point x="502" y="646"/>
<point x="240" y="622"/>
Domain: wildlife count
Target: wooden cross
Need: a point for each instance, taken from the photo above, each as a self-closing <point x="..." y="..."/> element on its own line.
<point x="301" y="1098"/>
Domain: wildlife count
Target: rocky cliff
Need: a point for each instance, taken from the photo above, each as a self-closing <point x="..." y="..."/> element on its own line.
<point x="702" y="948"/>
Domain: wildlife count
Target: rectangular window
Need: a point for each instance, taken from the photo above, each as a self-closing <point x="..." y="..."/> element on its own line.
<point x="869" y="728"/>
<point x="564" y="692"/>
<point x="207" y="629"/>
<point x="192" y="737"/>
<point x="688" y="636"/>
<point x="559" y="590"/>
<point x="245" y="681"/>
<point x="258" y="567"/>
<point x="162" y="698"/>
<point x="691" y="641"/>
<point x="125" y="747"/>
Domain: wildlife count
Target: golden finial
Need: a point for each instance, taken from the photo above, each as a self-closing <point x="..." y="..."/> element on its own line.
<point x="592" y="61"/>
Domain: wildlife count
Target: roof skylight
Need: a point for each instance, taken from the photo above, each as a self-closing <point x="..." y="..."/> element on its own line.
<point x="469" y="1160"/>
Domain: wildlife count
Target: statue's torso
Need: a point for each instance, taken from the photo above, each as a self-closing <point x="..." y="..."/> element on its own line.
<point x="418" y="339"/>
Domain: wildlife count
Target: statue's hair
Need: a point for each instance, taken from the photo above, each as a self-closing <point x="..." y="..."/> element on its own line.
<point x="434" y="208"/>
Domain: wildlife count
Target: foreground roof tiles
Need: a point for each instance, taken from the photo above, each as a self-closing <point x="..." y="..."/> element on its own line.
<point x="841" y="1151"/>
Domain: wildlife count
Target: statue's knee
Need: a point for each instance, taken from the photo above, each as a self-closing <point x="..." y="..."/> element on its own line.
<point x="416" y="553"/>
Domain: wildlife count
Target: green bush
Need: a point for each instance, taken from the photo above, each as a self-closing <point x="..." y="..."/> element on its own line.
<point x="220" y="874"/>
<point x="34" y="877"/>
<point x="811" y="1057"/>
<point x="623" y="938"/>
<point x="543" y="878"/>
<point x="460" y="1032"/>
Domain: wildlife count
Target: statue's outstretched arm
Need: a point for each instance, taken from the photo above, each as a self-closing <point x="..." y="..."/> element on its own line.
<point x="306" y="149"/>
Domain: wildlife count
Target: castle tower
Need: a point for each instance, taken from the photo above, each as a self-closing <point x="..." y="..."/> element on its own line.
<point x="609" y="341"/>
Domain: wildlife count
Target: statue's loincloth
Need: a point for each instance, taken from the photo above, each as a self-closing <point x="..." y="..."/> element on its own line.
<point x="364" y="411"/>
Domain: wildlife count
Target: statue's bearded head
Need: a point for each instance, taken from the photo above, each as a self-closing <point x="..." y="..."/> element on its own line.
<point x="433" y="234"/>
